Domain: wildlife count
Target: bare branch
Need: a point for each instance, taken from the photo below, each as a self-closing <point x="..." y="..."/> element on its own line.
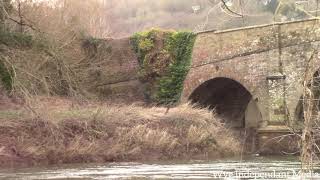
<point x="230" y="10"/>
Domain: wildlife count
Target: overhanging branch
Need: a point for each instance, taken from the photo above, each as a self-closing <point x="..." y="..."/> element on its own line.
<point x="230" y="10"/>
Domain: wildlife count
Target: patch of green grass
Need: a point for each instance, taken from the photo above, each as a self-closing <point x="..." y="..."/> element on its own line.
<point x="5" y="77"/>
<point x="10" y="114"/>
<point x="84" y="113"/>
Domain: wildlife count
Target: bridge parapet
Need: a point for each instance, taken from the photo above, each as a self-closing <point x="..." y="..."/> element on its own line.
<point x="215" y="46"/>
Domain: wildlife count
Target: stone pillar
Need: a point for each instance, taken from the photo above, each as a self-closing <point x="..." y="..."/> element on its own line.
<point x="253" y="118"/>
<point x="277" y="102"/>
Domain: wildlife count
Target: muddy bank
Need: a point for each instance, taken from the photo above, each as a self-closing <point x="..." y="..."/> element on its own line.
<point x="60" y="131"/>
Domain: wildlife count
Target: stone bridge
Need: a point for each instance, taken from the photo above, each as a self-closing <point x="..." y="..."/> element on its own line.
<point x="253" y="76"/>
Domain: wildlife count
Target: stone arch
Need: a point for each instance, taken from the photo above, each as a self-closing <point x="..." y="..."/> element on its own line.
<point x="197" y="76"/>
<point x="232" y="102"/>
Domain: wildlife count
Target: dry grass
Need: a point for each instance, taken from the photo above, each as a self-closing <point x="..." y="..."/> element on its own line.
<point x="68" y="133"/>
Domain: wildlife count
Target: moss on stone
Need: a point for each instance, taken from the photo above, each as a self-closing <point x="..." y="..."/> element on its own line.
<point x="164" y="58"/>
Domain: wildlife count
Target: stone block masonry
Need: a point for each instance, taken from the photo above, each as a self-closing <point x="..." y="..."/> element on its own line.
<point x="268" y="61"/>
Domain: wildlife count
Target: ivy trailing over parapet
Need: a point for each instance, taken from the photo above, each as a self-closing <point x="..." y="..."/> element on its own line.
<point x="164" y="58"/>
<point x="180" y="47"/>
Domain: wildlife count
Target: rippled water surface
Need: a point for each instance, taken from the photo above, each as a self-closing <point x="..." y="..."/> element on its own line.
<point x="259" y="168"/>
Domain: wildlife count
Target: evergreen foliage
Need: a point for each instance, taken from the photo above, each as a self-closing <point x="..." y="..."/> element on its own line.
<point x="164" y="58"/>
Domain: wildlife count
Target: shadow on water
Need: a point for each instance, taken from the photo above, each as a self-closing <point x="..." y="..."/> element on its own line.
<point x="249" y="168"/>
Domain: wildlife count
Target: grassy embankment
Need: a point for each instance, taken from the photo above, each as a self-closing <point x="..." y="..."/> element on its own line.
<point x="58" y="131"/>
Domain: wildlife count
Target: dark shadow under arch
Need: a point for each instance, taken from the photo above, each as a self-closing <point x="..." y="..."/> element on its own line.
<point x="230" y="100"/>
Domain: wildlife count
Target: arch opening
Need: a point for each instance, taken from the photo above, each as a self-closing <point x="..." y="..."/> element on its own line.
<point x="231" y="101"/>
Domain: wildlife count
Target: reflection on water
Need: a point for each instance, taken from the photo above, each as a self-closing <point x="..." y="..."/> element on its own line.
<point x="259" y="168"/>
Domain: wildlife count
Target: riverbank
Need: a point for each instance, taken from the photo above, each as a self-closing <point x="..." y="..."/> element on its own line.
<point x="58" y="131"/>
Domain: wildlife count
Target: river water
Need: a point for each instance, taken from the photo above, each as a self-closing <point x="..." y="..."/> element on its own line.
<point x="251" y="168"/>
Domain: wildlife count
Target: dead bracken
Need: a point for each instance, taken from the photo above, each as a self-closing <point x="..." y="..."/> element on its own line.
<point x="60" y="132"/>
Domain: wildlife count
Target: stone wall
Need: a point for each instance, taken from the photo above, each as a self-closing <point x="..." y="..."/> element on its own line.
<point x="111" y="70"/>
<point x="268" y="60"/>
<point x="249" y="56"/>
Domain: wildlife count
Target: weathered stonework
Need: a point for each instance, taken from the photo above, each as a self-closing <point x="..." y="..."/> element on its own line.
<point x="268" y="60"/>
<point x="112" y="71"/>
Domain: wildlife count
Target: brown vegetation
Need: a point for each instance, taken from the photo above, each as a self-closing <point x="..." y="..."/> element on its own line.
<point x="118" y="18"/>
<point x="43" y="51"/>
<point x="61" y="131"/>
